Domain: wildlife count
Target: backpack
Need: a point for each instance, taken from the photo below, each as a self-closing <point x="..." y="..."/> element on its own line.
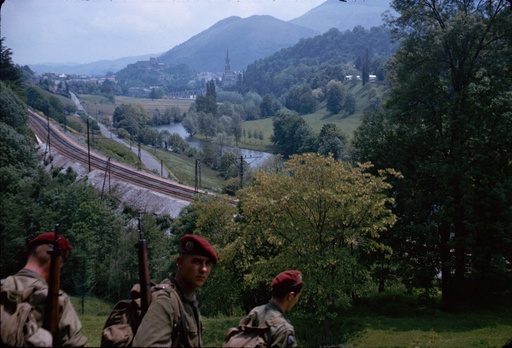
<point x="124" y="320"/>
<point x="246" y="335"/>
<point x="20" y="321"/>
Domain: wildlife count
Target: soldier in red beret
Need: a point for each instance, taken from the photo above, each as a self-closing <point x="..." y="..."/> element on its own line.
<point x="36" y="275"/>
<point x="174" y="304"/>
<point x="286" y="290"/>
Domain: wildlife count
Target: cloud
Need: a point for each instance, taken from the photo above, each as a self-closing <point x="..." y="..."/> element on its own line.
<point x="80" y="31"/>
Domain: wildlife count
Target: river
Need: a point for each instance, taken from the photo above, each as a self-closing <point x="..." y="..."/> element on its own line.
<point x="252" y="157"/>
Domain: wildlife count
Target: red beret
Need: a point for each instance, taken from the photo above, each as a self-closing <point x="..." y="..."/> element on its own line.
<point x="49" y="237"/>
<point x="194" y="244"/>
<point x="287" y="279"/>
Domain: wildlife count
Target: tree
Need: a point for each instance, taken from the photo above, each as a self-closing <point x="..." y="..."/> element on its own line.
<point x="208" y="103"/>
<point x="335" y="96"/>
<point x="321" y="219"/>
<point x="447" y="127"/>
<point x="267" y="106"/>
<point x="9" y="73"/>
<point x="301" y="99"/>
<point x="365" y="73"/>
<point x="236" y="128"/>
<point x="350" y="104"/>
<point x="131" y="117"/>
<point x="332" y="141"/>
<point x="292" y="134"/>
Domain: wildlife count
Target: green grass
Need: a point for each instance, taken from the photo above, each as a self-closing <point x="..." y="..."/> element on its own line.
<point x="93" y="313"/>
<point x="182" y="168"/>
<point x="347" y="123"/>
<point x="392" y="321"/>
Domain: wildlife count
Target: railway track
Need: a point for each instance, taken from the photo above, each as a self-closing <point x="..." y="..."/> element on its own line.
<point x="68" y="148"/>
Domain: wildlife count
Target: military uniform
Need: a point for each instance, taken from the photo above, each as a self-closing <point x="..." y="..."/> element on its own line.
<point x="163" y="323"/>
<point x="279" y="335"/>
<point x="70" y="334"/>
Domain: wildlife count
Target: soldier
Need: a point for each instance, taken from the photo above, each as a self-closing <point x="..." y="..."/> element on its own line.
<point x="36" y="274"/>
<point x="173" y="318"/>
<point x="286" y="290"/>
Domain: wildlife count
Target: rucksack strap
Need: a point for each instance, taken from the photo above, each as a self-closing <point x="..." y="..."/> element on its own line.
<point x="182" y="325"/>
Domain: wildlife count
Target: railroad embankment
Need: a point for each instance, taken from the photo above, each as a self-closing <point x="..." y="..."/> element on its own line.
<point x="139" y="198"/>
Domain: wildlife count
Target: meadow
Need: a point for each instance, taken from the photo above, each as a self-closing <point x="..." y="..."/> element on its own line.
<point x="385" y="320"/>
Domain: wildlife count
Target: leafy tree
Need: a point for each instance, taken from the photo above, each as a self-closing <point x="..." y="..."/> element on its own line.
<point x="236" y="128"/>
<point x="365" y="73"/>
<point x="301" y="99"/>
<point x="36" y="100"/>
<point x="447" y="127"/>
<point x="131" y="117"/>
<point x="9" y="73"/>
<point x="321" y="220"/>
<point x="267" y="106"/>
<point x="191" y="123"/>
<point x="332" y="141"/>
<point x="335" y="96"/>
<point x="292" y="134"/>
<point x="350" y="104"/>
<point x="208" y="103"/>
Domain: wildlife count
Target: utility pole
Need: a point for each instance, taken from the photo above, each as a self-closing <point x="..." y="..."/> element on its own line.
<point x="88" y="145"/>
<point x="48" y="139"/>
<point x="107" y="171"/>
<point x="197" y="182"/>
<point x="139" y="155"/>
<point x="241" y="172"/>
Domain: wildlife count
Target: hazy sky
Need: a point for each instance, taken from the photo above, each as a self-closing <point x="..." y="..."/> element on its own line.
<point x="78" y="31"/>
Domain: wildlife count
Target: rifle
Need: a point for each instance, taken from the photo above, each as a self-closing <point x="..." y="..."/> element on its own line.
<point x="144" y="280"/>
<point x="52" y="308"/>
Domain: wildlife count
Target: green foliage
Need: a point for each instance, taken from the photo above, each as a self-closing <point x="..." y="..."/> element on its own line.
<point x="291" y="133"/>
<point x="11" y="108"/>
<point x="335" y="96"/>
<point x="447" y="128"/>
<point x="9" y="73"/>
<point x="33" y="201"/>
<point x="322" y="219"/>
<point x="301" y="100"/>
<point x="317" y="60"/>
<point x="131" y="117"/>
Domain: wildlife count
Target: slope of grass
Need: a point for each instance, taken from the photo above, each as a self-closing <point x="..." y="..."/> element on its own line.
<point x="392" y="321"/>
<point x="364" y="96"/>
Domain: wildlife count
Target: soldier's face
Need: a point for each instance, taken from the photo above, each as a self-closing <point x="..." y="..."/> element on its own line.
<point x="194" y="270"/>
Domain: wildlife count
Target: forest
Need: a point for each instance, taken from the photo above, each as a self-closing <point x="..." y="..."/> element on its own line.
<point x="422" y="202"/>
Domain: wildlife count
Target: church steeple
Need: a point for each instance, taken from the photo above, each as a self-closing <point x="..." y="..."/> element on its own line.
<point x="227" y="65"/>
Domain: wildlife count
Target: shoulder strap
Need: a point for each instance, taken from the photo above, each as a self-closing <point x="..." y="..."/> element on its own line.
<point x="176" y="334"/>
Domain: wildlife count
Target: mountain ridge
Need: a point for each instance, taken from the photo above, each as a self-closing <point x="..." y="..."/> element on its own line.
<point x="206" y="50"/>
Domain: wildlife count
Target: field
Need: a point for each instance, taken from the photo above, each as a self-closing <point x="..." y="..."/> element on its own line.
<point x="98" y="106"/>
<point x="391" y="321"/>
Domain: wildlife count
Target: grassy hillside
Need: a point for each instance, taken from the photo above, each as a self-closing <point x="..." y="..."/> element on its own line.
<point x="386" y="320"/>
<point x="348" y="123"/>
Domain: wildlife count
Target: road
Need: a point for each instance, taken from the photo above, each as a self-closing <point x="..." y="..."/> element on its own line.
<point x="149" y="161"/>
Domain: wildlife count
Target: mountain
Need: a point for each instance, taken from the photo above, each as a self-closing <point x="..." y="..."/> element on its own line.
<point x="246" y="40"/>
<point x="343" y="15"/>
<point x="99" y="68"/>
